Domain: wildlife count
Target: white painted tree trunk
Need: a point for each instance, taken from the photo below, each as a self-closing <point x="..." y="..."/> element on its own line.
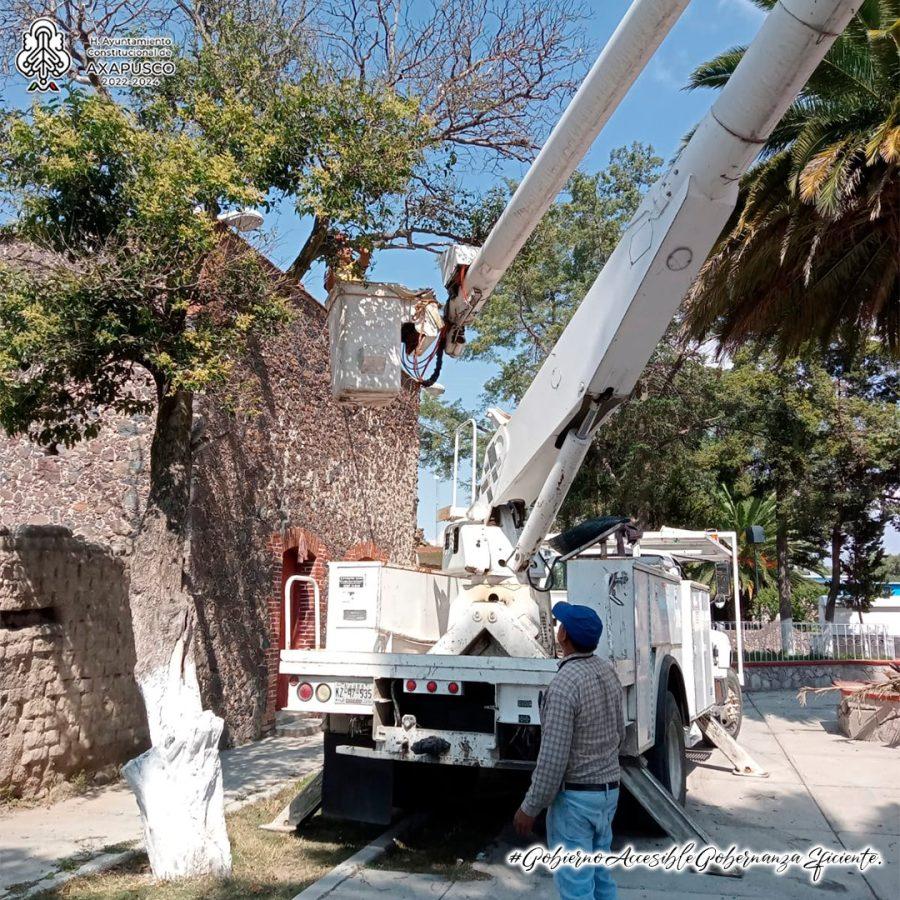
<point x="178" y="782"/>
<point x="787" y="636"/>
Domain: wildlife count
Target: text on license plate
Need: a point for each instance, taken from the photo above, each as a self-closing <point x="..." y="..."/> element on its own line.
<point x="359" y="692"/>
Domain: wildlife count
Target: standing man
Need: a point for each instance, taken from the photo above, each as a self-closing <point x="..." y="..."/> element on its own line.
<point x="577" y="771"/>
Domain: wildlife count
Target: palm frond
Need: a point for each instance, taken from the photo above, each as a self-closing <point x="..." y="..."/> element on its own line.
<point x="813" y="249"/>
<point x="716" y="72"/>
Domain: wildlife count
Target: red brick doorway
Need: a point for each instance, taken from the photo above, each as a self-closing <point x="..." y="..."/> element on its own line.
<point x="295" y="552"/>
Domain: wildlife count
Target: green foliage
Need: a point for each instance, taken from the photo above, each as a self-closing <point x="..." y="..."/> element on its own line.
<point x="755" y="561"/>
<point x="816" y="221"/>
<point x="550" y="276"/>
<point x="134" y="271"/>
<point x="861" y="566"/>
<point x="889" y="570"/>
<point x="642" y="461"/>
<point x="819" y="434"/>
<point x="804" y="601"/>
<point x="343" y="151"/>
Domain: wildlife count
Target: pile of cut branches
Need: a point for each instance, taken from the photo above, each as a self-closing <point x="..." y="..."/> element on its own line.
<point x="889" y="689"/>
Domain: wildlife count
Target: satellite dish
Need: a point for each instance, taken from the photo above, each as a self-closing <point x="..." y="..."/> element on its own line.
<point x="241" y="219"/>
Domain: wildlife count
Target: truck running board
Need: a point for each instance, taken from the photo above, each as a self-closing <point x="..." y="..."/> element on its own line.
<point x="744" y="764"/>
<point x="664" y="810"/>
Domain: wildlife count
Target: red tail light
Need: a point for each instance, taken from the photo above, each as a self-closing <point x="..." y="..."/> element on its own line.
<point x="410" y="685"/>
<point x="453" y="687"/>
<point x="305" y="691"/>
<point x="431" y="687"/>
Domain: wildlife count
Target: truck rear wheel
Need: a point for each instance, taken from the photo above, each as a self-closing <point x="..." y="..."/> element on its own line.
<point x="667" y="760"/>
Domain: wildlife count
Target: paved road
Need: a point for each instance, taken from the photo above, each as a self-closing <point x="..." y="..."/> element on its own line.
<point x="823" y="789"/>
<point x="32" y="841"/>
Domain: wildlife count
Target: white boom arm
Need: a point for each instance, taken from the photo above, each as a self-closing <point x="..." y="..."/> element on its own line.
<point x="627" y="52"/>
<point x="595" y="364"/>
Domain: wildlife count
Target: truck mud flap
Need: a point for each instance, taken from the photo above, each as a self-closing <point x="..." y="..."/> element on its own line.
<point x="662" y="808"/>
<point x="356" y="787"/>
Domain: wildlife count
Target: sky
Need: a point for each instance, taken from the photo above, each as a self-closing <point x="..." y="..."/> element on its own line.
<point x="657" y="111"/>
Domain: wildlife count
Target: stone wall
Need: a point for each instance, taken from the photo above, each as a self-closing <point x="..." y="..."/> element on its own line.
<point x="68" y="700"/>
<point x="289" y="473"/>
<point x="278" y="458"/>
<point x="785" y="676"/>
<point x="95" y="488"/>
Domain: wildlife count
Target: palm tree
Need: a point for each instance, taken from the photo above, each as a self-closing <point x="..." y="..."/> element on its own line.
<point x="738" y="516"/>
<point x="812" y="252"/>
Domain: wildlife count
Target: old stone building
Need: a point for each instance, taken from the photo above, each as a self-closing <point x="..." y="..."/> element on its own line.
<point x="68" y="701"/>
<point x="285" y="480"/>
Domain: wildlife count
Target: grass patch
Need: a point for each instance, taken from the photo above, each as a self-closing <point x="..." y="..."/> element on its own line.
<point x="265" y="864"/>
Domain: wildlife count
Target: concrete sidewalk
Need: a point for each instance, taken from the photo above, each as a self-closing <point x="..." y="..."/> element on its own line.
<point x="34" y="841"/>
<point x="822" y="789"/>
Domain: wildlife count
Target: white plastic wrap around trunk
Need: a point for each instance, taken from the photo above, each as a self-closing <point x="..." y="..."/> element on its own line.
<point x="178" y="782"/>
<point x="178" y="788"/>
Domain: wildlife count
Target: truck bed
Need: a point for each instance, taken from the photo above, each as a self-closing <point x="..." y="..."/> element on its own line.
<point x="490" y="669"/>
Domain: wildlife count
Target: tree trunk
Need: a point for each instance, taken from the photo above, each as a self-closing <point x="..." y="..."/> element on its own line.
<point x="310" y="250"/>
<point x="834" y="588"/>
<point x="178" y="781"/>
<point x="783" y="575"/>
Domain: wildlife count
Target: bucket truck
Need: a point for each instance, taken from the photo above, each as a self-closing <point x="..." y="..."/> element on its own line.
<point x="425" y="669"/>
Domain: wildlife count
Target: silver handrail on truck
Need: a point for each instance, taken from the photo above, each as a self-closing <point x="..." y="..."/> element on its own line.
<point x="308" y="579"/>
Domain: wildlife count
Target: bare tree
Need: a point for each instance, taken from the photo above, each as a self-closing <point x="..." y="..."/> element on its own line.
<point x="490" y="76"/>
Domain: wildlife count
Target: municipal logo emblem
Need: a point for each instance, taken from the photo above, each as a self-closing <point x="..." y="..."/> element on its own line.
<point x="44" y="56"/>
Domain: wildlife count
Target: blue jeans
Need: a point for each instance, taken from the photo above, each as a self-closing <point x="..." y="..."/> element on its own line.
<point x="583" y="820"/>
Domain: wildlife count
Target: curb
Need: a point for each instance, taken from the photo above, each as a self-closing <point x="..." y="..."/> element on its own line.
<point x="105" y="861"/>
<point x="346" y="870"/>
<point x="93" y="867"/>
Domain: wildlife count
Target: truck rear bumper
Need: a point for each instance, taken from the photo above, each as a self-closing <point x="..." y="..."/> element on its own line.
<point x="463" y="748"/>
<point x="490" y="669"/>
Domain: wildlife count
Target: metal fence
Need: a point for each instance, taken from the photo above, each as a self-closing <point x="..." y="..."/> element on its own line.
<point x="763" y="641"/>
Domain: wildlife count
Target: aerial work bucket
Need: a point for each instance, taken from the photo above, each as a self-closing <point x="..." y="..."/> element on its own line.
<point x="366" y="328"/>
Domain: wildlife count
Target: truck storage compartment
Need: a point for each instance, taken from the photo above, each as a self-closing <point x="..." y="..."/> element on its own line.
<point x="390" y="609"/>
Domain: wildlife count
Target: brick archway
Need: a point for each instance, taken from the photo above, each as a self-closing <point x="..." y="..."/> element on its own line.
<point x="364" y="551"/>
<point x="295" y="551"/>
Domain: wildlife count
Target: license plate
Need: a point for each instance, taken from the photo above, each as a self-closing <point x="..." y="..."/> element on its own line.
<point x="358" y="692"/>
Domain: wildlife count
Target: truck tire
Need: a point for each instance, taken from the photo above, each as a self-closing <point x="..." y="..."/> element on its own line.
<point x="667" y="759"/>
<point x="729" y="714"/>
